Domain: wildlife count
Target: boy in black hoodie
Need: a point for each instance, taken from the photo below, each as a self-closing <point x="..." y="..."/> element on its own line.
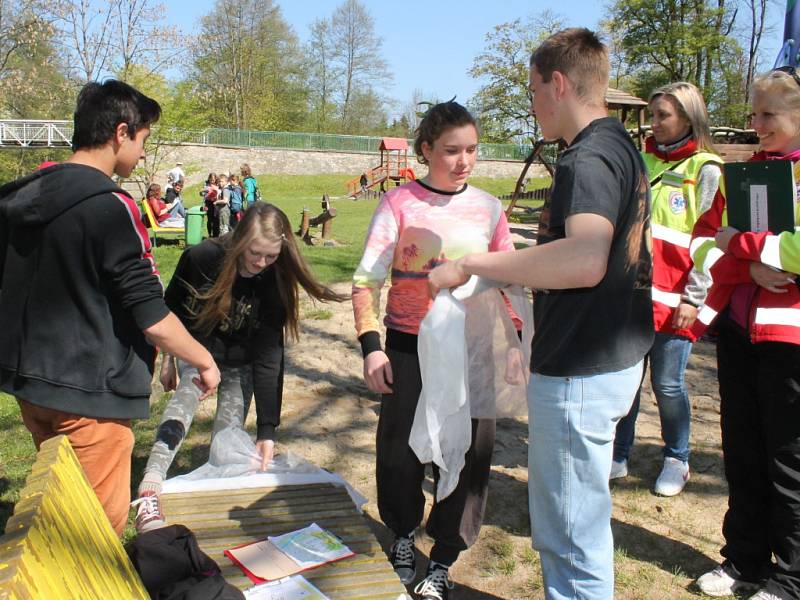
<point x="81" y="302"/>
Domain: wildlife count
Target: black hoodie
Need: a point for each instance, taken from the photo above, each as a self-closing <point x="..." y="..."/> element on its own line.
<point x="77" y="287"/>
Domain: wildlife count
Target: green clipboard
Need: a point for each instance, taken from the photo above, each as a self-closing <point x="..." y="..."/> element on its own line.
<point x="761" y="196"/>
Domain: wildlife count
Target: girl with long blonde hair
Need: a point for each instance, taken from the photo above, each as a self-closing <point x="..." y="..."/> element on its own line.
<point x="238" y="295"/>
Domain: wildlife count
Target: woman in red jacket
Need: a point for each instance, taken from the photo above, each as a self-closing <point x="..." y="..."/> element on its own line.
<point x="756" y="302"/>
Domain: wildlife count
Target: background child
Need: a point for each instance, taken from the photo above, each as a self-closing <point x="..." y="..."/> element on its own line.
<point x="222" y="205"/>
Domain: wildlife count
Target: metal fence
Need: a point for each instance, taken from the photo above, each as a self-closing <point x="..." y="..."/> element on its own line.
<point x="59" y="133"/>
<point x="288" y="140"/>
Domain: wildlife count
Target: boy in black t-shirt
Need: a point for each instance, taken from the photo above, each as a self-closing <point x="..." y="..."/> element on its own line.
<point x="593" y="313"/>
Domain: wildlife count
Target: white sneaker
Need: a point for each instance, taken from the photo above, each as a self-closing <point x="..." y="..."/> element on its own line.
<point x="720" y="582"/>
<point x="765" y="595"/>
<point x="673" y="478"/>
<point x="619" y="469"/>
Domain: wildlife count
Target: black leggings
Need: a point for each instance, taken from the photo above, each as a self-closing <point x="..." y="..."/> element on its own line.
<point x="455" y="522"/>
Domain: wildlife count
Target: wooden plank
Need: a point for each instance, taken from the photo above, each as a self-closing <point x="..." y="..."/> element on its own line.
<point x="227" y="518"/>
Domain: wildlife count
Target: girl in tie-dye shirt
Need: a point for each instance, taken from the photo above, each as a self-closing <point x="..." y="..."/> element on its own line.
<point x="415" y="227"/>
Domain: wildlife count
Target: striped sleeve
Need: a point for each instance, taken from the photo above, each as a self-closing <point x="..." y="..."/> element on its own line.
<point x="374" y="267"/>
<point x="779" y="251"/>
<point x="707" y="258"/>
<point x="129" y="265"/>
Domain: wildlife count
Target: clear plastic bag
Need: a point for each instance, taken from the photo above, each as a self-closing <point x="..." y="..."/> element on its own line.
<point x="473" y="365"/>
<point x="234" y="463"/>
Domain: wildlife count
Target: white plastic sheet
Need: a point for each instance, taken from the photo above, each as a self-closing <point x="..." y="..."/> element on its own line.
<point x="234" y="463"/>
<point x="473" y="365"/>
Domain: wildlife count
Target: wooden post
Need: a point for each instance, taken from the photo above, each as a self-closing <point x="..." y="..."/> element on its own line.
<point x="327" y="226"/>
<point x="304" y="223"/>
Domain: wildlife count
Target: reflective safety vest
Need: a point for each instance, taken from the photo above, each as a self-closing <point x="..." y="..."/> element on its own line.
<point x="773" y="317"/>
<point x="675" y="210"/>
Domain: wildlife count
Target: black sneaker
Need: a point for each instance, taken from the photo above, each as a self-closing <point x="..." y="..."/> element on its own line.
<point x="403" y="558"/>
<point x="435" y="584"/>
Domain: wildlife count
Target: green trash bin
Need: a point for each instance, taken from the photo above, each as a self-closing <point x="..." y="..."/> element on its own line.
<point x="194" y="225"/>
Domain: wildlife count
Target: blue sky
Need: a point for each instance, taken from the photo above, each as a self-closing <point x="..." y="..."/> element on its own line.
<point x="431" y="44"/>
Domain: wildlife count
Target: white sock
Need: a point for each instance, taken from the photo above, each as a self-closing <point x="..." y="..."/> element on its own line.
<point x="151" y="483"/>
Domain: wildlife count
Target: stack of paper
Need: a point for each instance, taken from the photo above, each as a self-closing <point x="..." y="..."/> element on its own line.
<point x="295" y="587"/>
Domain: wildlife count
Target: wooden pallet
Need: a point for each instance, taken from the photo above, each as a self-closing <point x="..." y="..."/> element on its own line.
<point x="228" y="518"/>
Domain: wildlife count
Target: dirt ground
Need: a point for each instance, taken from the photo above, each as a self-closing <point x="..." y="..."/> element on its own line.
<point x="662" y="544"/>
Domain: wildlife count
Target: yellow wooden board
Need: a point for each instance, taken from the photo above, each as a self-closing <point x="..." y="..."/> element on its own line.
<point x="59" y="544"/>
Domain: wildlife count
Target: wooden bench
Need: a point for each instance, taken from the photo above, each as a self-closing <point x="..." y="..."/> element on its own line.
<point x="59" y="544"/>
<point x="152" y="225"/>
<point x="228" y="518"/>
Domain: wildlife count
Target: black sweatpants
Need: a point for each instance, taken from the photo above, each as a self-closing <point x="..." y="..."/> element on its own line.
<point x="759" y="387"/>
<point x="455" y="522"/>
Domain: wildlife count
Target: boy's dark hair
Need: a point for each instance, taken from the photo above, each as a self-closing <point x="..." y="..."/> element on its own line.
<point x="103" y="106"/>
<point x="580" y="55"/>
<point x="439" y="118"/>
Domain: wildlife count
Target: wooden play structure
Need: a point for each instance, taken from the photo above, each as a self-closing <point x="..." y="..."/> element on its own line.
<point x="325" y="218"/>
<point x="393" y="170"/>
<point x="617" y="100"/>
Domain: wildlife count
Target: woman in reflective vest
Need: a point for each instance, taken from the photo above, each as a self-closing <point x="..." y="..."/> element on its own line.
<point x="684" y="176"/>
<point x="756" y="302"/>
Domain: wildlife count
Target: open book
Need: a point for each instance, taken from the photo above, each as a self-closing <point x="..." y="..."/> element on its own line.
<point x="287" y="554"/>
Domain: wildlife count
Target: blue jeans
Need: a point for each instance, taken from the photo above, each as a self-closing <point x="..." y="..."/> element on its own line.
<point x="571" y="430"/>
<point x="668" y="358"/>
<point x="177" y="210"/>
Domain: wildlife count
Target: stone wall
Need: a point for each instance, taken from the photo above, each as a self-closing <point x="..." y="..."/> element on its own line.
<point x="198" y="161"/>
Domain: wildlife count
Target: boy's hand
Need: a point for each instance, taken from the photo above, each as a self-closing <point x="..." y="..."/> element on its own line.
<point x="266" y="449"/>
<point x="208" y="380"/>
<point x="378" y="372"/>
<point x="448" y="275"/>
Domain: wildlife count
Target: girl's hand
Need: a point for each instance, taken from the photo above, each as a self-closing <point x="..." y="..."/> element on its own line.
<point x="378" y="372"/>
<point x="684" y="316"/>
<point x="723" y="237"/>
<point x="169" y="374"/>
<point x="770" y="279"/>
<point x="266" y="448"/>
<point x="447" y="275"/>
